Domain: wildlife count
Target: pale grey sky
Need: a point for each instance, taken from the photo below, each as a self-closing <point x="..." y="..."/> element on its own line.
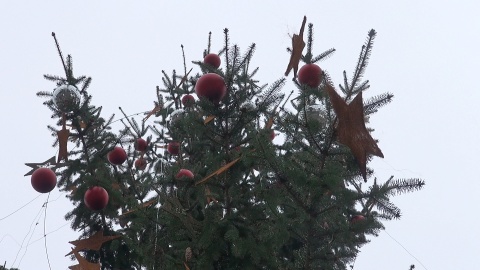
<point x="426" y="54"/>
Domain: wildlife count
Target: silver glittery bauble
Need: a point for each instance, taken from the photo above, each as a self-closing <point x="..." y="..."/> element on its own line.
<point x="177" y="115"/>
<point x="66" y="98"/>
<point x="247" y="106"/>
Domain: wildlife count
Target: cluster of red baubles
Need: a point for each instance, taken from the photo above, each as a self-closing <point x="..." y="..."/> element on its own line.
<point x="310" y="74"/>
<point x="96" y="198"/>
<point x="44" y="180"/>
<point x="211" y="85"/>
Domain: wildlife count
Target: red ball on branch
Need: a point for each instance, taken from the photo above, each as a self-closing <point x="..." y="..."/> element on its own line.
<point x="96" y="198"/>
<point x="141" y="145"/>
<point x="140" y="164"/>
<point x="212" y="60"/>
<point x="272" y="135"/>
<point x="188" y="100"/>
<point x="184" y="173"/>
<point x="117" y="156"/>
<point x="173" y="148"/>
<point x="43" y="180"/>
<point x="310" y="74"/>
<point x="212" y="87"/>
<point x="357" y="219"/>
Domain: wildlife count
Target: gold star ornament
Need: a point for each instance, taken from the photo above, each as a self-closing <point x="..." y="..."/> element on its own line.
<point x="63" y="135"/>
<point x="297" y="48"/>
<point x="83" y="264"/>
<point x="94" y="242"/>
<point x="351" y="130"/>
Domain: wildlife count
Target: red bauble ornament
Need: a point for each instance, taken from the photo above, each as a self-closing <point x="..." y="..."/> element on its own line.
<point x="211" y="86"/>
<point x="96" y="198"/>
<point x="357" y="218"/>
<point x="140" y="145"/>
<point x="184" y="173"/>
<point x="43" y="180"/>
<point x="117" y="156"/>
<point x="140" y="164"/>
<point x="188" y="100"/>
<point x="212" y="60"/>
<point x="310" y="74"/>
<point x="272" y="135"/>
<point x="173" y="148"/>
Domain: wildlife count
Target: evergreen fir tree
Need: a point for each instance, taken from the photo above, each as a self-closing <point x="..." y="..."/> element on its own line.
<point x="4" y="268"/>
<point x="210" y="189"/>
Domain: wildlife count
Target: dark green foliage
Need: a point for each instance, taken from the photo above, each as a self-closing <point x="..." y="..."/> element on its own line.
<point x="272" y="206"/>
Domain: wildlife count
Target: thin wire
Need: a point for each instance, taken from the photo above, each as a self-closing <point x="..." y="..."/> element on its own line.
<point x="44" y="231"/>
<point x="35" y="221"/>
<point x="57" y="229"/>
<point x="406" y="250"/>
<point x="135" y="114"/>
<point x="20" y="208"/>
<point x="9" y="235"/>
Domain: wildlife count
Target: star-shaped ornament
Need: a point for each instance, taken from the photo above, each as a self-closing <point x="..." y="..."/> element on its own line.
<point x="63" y="135"/>
<point x="50" y="163"/>
<point x="143" y="205"/>
<point x="297" y="47"/>
<point x="83" y="264"/>
<point x="95" y="242"/>
<point x="351" y="130"/>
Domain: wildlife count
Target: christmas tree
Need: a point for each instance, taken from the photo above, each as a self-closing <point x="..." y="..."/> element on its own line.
<point x="4" y="268"/>
<point x="224" y="172"/>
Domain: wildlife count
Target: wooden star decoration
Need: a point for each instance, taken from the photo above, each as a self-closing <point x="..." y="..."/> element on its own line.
<point x="50" y="163"/>
<point x="143" y="205"/>
<point x="83" y="264"/>
<point x="208" y="119"/>
<point x="63" y="135"/>
<point x="94" y="242"/>
<point x="297" y="47"/>
<point x="351" y="130"/>
<point x="157" y="108"/>
<point x="219" y="171"/>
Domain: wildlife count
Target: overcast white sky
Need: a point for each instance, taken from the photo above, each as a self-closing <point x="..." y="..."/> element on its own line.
<point x="426" y="54"/>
